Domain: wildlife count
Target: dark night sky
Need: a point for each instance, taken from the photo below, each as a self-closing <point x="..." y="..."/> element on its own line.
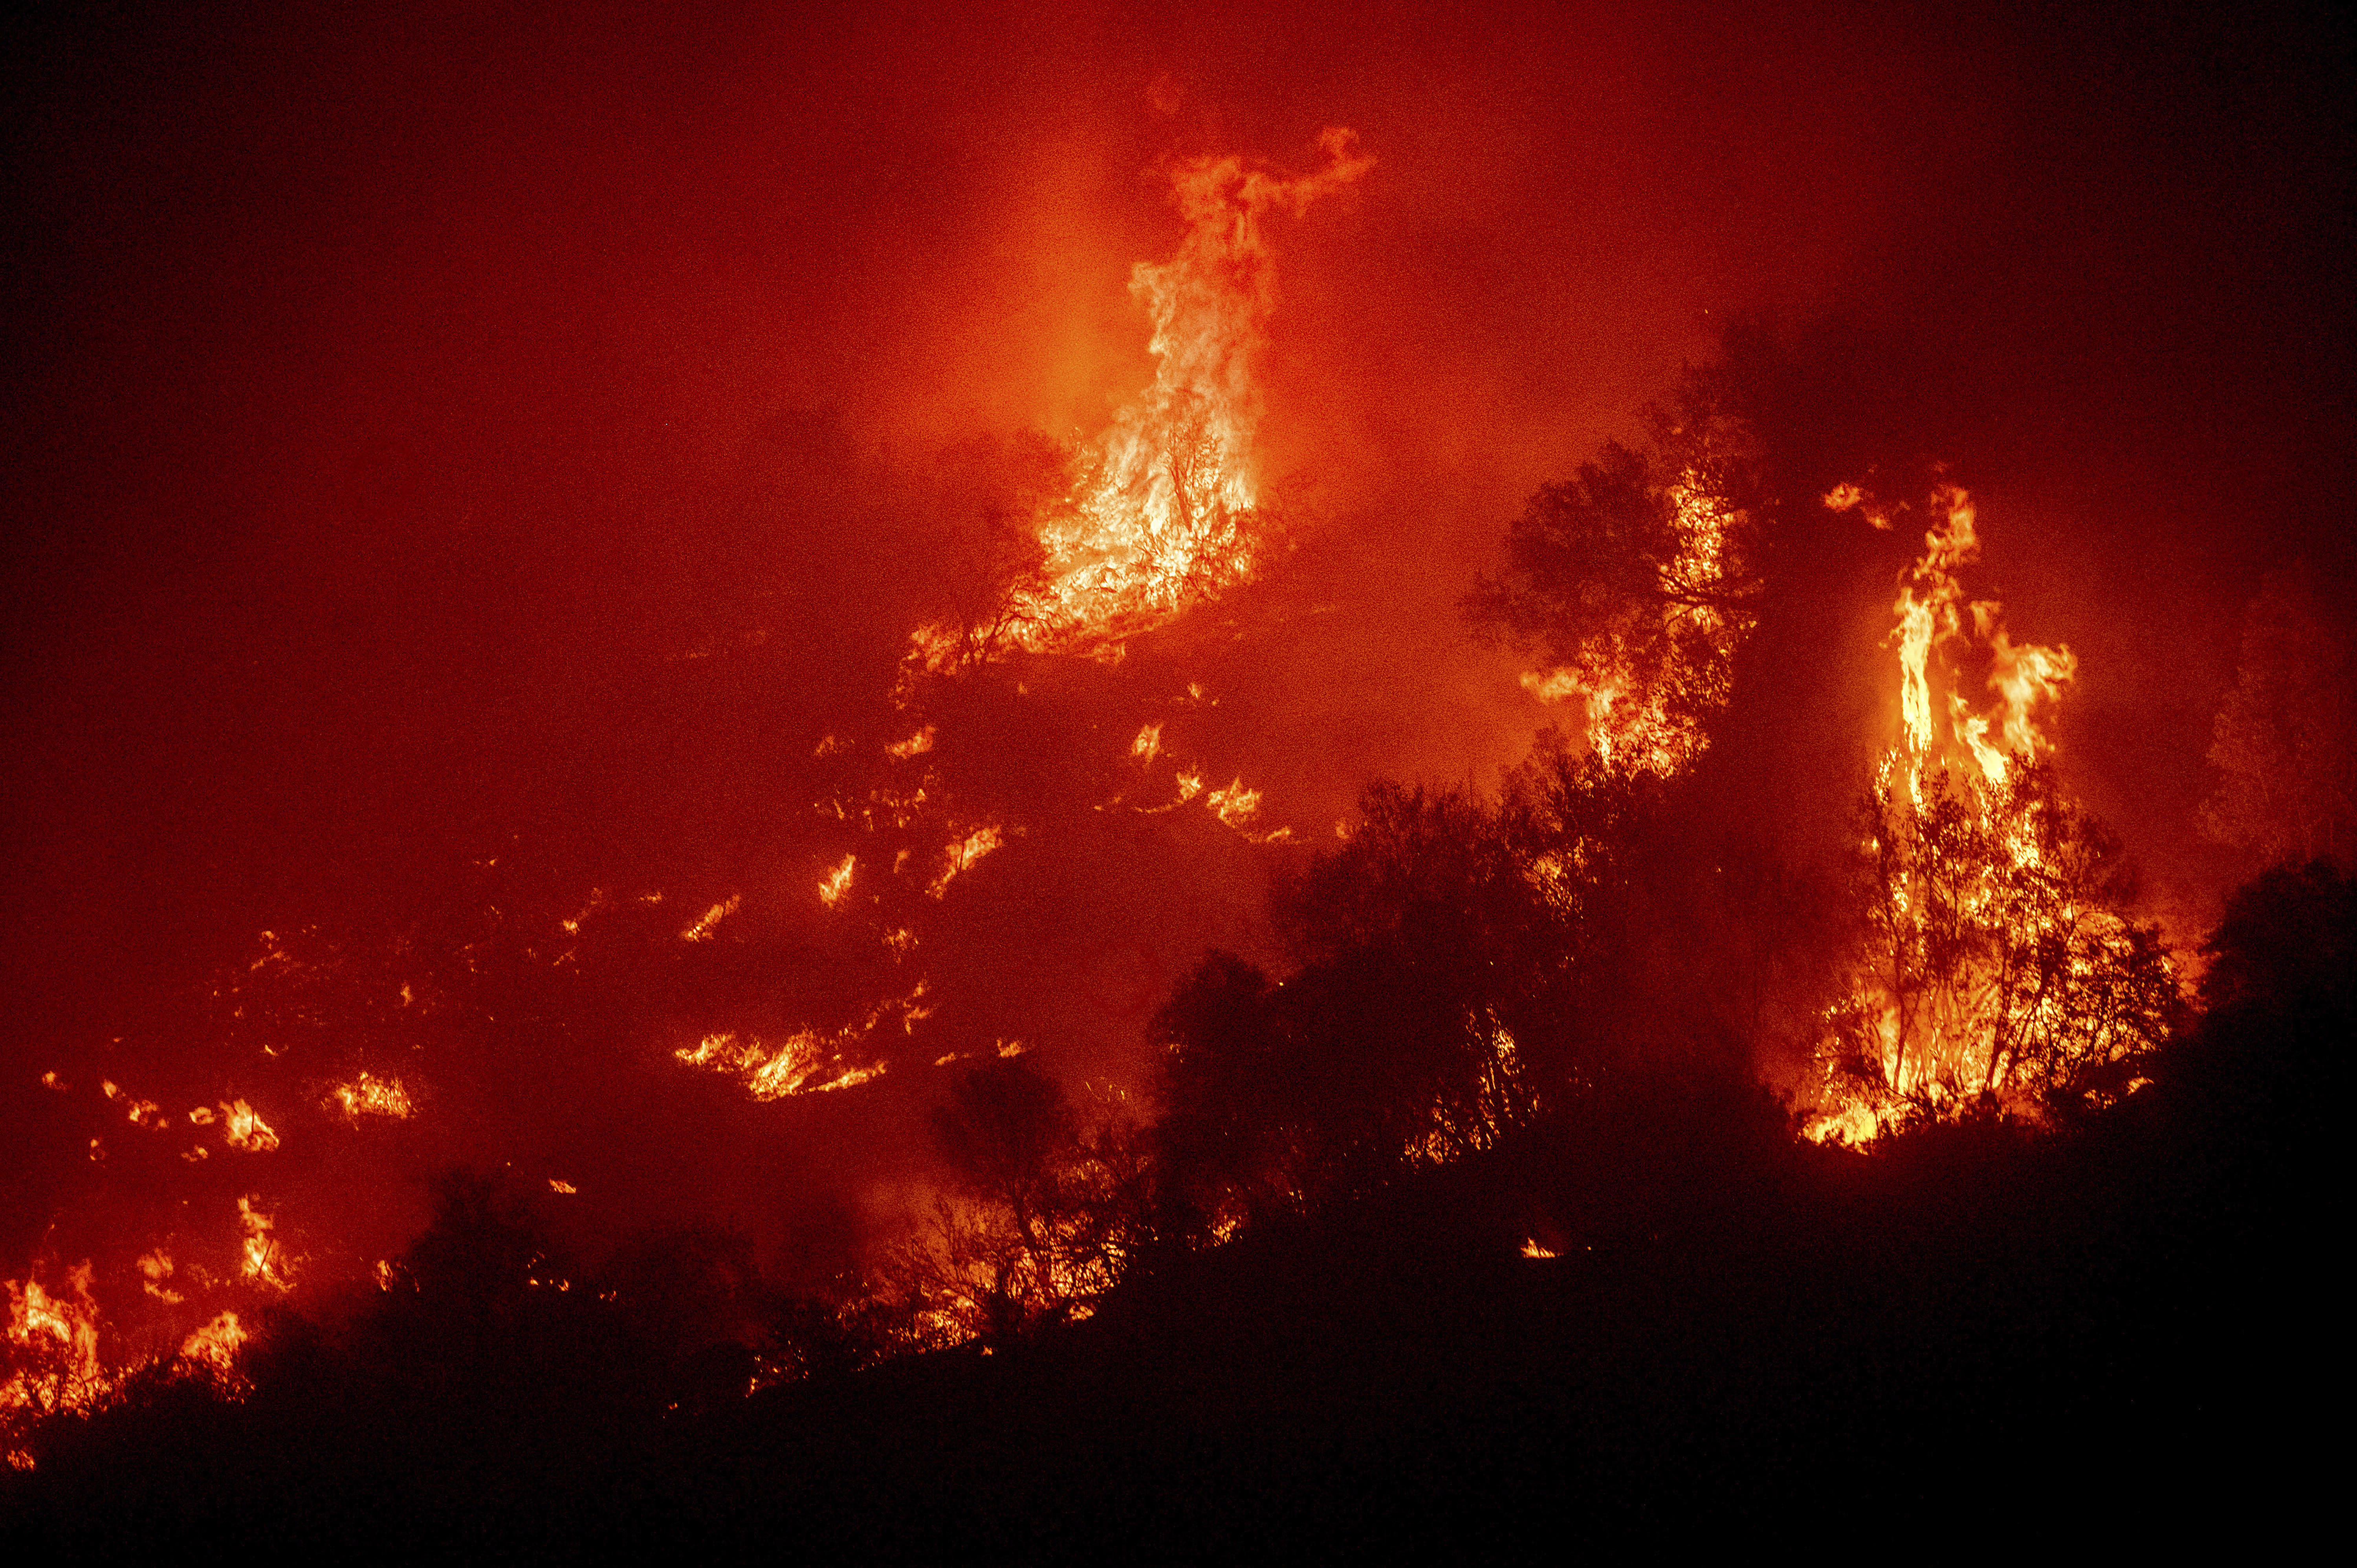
<point x="380" y="381"/>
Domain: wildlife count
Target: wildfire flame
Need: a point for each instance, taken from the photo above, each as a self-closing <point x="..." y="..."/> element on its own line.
<point x="710" y="919"/>
<point x="1164" y="511"/>
<point x="1933" y="615"/>
<point x="214" y="1347"/>
<point x="52" y="1341"/>
<point x="805" y="1063"/>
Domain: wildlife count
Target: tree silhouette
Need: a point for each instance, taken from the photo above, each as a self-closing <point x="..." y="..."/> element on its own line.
<point x="1039" y="1222"/>
<point x="2286" y="739"/>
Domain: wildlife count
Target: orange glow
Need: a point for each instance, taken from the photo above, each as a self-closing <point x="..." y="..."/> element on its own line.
<point x="213" y="1348"/>
<point x="1235" y="805"/>
<point x="155" y="1268"/>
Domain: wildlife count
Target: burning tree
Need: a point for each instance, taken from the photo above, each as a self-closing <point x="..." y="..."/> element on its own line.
<point x="1993" y="963"/>
<point x="1639" y="580"/>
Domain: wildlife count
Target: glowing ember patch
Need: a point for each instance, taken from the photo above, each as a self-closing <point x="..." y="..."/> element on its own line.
<point x="1147" y="746"/>
<point x="51" y="1080"/>
<point x="1850" y="498"/>
<point x="155" y="1268"/>
<point x="838" y="880"/>
<point x="562" y="1186"/>
<point x="960" y="857"/>
<point x="572" y="925"/>
<point x="1010" y="1047"/>
<point x="805" y="1063"/>
<point x="1235" y="805"/>
<point x="248" y="1131"/>
<point x="369" y="1095"/>
<point x="1533" y="1250"/>
<point x="213" y="1348"/>
<point x="702" y="930"/>
<point x="262" y="1262"/>
<point x="901" y="940"/>
<point x="809" y="1061"/>
<point x="915" y="745"/>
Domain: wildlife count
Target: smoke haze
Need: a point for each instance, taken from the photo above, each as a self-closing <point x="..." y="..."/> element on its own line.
<point x="437" y="440"/>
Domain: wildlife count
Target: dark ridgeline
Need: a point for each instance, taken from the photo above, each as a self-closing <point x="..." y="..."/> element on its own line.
<point x="2101" y="1332"/>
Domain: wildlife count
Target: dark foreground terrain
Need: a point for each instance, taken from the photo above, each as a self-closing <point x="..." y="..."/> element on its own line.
<point x="2114" y="1332"/>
